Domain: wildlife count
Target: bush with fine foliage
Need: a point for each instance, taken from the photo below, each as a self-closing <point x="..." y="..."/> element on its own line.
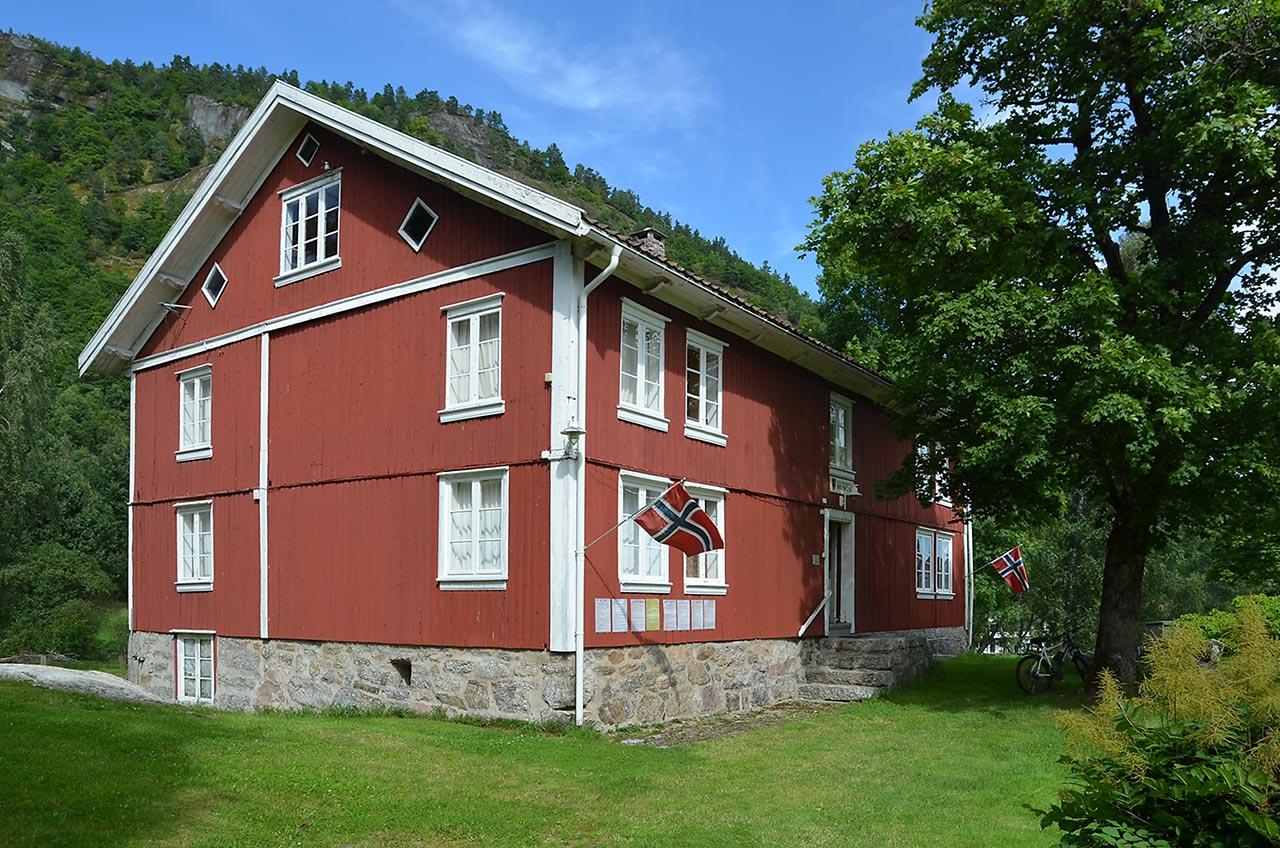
<point x="1192" y="760"/>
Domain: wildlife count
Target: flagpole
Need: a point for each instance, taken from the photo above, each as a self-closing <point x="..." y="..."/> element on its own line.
<point x="634" y="514"/>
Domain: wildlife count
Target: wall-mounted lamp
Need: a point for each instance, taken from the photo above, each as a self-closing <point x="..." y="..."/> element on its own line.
<point x="572" y="432"/>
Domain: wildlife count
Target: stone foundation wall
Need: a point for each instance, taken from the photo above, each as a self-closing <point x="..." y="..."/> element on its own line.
<point x="624" y="686"/>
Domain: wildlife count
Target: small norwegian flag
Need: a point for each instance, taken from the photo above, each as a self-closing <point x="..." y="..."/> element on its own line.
<point x="675" y="519"/>
<point x="1010" y="567"/>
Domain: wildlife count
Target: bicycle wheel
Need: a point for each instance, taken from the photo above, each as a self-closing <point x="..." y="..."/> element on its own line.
<point x="1034" y="674"/>
<point x="1082" y="666"/>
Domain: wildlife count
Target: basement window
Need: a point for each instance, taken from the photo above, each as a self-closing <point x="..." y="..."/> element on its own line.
<point x="214" y="284"/>
<point x="308" y="149"/>
<point x="418" y="224"/>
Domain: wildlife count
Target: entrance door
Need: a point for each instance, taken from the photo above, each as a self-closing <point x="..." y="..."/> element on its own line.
<point x="839" y="577"/>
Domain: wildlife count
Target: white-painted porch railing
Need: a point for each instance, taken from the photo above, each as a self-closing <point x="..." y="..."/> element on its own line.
<point x="822" y="603"/>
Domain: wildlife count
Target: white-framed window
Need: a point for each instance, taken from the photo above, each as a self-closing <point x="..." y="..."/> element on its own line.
<point x="642" y="560"/>
<point x="933" y="482"/>
<point x="195" y="546"/>
<point x="214" y="284"/>
<point x="309" y="228"/>
<point x="640" y="392"/>
<point x="308" y="149"/>
<point x="473" y="529"/>
<point x="473" y="372"/>
<point x="840" y="436"/>
<point x="704" y="388"/>
<point x="195" y="413"/>
<point x="704" y="574"/>
<point x="418" y="223"/>
<point x="933" y="564"/>
<point x="195" y="666"/>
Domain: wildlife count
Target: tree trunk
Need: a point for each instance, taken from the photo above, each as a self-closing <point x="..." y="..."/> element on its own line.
<point x="1118" y="630"/>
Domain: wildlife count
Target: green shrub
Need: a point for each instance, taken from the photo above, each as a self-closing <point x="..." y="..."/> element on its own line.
<point x="1192" y="760"/>
<point x="1218" y="624"/>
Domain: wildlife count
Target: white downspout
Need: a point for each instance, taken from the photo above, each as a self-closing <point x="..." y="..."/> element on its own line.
<point x="579" y="572"/>
<point x="968" y="580"/>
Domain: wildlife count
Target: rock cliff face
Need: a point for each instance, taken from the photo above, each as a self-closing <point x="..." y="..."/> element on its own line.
<point x="216" y="121"/>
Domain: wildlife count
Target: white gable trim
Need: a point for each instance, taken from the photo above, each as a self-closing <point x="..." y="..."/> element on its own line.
<point x="443" y="278"/>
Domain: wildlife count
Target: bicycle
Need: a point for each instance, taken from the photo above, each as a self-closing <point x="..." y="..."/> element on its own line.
<point x="1037" y="670"/>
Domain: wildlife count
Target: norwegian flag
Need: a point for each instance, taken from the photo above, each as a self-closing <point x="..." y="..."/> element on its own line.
<point x="1010" y="567"/>
<point x="675" y="519"/>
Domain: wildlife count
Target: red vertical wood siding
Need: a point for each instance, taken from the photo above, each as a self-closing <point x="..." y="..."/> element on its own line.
<point x="775" y="467"/>
<point x="376" y="196"/>
<point x="233" y="429"/>
<point x="359" y="394"/>
<point x="232" y="608"/>
<point x="357" y="561"/>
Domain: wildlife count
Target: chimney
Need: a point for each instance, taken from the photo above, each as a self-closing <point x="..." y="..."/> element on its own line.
<point x="652" y="241"/>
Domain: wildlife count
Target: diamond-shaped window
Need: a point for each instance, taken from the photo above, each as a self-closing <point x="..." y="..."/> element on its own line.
<point x="308" y="149"/>
<point x="418" y="224"/>
<point x="214" y="284"/>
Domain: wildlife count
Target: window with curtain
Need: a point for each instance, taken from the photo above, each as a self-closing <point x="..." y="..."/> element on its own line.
<point x="473" y="373"/>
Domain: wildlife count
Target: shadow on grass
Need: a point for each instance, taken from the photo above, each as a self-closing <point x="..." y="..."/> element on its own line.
<point x="83" y="771"/>
<point x="985" y="683"/>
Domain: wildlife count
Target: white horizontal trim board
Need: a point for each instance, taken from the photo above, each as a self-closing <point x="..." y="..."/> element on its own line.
<point x="493" y="265"/>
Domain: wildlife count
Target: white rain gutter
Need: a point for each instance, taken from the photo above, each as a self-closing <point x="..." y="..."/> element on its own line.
<point x="580" y="509"/>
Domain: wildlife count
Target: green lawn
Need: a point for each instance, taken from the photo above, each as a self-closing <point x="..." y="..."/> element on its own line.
<point x="947" y="762"/>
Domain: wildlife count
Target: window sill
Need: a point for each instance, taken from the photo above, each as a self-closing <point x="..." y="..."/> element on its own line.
<point x="934" y="596"/>
<point x="308" y="271"/>
<point x="702" y="434"/>
<point x="189" y="454"/>
<point x="643" y="417"/>
<point x="706" y="588"/>
<point x="644" y="588"/>
<point x="194" y="586"/>
<point x="839" y="473"/>
<point x="472" y="584"/>
<point x="475" y="410"/>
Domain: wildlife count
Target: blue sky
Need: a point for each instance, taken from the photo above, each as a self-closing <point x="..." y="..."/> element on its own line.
<point x="726" y="115"/>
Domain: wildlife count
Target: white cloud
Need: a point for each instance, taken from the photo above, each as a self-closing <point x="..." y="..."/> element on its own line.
<point x="632" y="76"/>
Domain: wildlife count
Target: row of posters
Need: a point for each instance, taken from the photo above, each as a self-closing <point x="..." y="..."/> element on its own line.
<point x="618" y="615"/>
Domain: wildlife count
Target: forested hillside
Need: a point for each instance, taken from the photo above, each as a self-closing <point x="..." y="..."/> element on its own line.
<point x="96" y="160"/>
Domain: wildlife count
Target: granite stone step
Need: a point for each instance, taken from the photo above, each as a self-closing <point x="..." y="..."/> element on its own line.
<point x="850" y="676"/>
<point x="836" y="692"/>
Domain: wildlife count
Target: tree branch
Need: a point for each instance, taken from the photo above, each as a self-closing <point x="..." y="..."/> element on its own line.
<point x="1222" y="280"/>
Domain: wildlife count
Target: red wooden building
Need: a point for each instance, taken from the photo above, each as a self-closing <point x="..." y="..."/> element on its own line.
<point x="384" y="397"/>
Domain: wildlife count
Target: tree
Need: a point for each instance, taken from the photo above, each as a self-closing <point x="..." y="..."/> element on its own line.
<point x="1073" y="289"/>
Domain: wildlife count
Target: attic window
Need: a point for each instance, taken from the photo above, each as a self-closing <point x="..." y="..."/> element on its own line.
<point x="214" y="284"/>
<point x="308" y="149"/>
<point x="418" y="224"/>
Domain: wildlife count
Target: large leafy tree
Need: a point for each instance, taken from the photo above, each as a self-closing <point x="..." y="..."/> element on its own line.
<point x="1072" y="289"/>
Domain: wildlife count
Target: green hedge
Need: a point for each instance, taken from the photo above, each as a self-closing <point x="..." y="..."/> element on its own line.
<point x="1219" y="624"/>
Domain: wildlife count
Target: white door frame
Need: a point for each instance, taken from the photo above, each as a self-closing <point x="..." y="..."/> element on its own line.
<point x="846" y="565"/>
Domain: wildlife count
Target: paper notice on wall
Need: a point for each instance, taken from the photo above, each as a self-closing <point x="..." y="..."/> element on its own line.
<point x="668" y="615"/>
<point x="652" y="614"/>
<point x="604" y="616"/>
<point x="620" y="615"/>
<point x="709" y="615"/>
<point x="695" y="614"/>
<point x="637" y="614"/>
<point x="682" y="615"/>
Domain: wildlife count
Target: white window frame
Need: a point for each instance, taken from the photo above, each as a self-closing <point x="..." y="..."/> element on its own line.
<point x="323" y="262"/>
<point x="842" y="470"/>
<point x="201" y="513"/>
<point x="649" y="487"/>
<point x="435" y="219"/>
<point x="929" y="582"/>
<point x="700" y="429"/>
<point x="307" y="160"/>
<point x="204" y="289"/>
<point x="645" y="320"/>
<point x="473" y="406"/>
<point x="195" y="444"/>
<point x="200" y="639"/>
<point x="446" y="577"/>
<point x="703" y="493"/>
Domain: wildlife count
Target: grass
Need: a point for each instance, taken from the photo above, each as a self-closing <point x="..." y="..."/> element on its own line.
<point x="950" y="761"/>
